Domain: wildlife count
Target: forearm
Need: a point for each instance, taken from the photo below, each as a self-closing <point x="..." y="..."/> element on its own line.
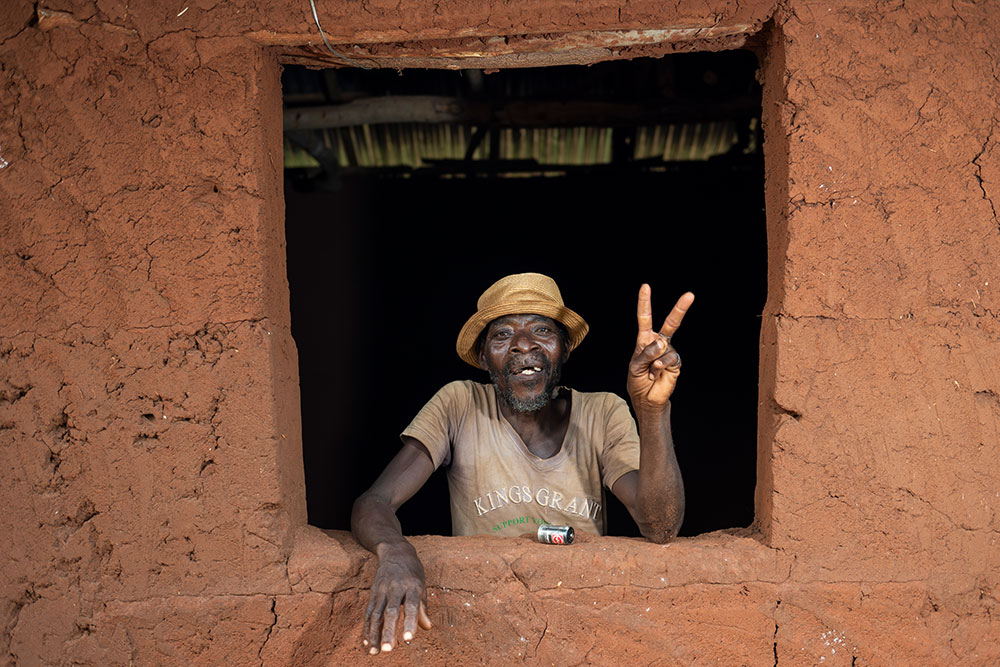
<point x="375" y="526"/>
<point x="399" y="577"/>
<point x="659" y="506"/>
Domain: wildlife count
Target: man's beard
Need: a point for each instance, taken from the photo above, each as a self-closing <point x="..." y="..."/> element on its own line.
<point x="535" y="403"/>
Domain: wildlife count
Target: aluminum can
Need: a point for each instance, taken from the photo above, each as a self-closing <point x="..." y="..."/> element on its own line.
<point x="550" y="534"/>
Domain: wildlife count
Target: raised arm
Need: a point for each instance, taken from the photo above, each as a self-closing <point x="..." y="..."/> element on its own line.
<point x="654" y="494"/>
<point x="399" y="579"/>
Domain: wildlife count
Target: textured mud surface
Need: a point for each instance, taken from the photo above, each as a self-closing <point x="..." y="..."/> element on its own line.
<point x="151" y="464"/>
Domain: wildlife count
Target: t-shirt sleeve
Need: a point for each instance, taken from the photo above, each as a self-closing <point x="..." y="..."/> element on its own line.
<point x="621" y="441"/>
<point x="438" y="421"/>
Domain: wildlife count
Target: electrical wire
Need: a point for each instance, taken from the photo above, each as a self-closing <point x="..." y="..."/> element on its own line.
<point x="322" y="34"/>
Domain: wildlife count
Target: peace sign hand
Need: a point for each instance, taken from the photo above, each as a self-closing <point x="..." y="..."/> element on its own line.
<point x="655" y="364"/>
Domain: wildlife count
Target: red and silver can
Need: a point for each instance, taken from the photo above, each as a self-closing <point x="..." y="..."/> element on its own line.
<point x="550" y="534"/>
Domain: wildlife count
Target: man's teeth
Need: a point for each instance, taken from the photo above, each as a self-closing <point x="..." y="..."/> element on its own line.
<point x="530" y="371"/>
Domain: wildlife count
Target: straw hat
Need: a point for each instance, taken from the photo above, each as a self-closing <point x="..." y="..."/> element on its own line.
<point x="519" y="294"/>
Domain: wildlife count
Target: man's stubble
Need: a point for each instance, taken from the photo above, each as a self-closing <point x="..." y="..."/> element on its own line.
<point x="534" y="404"/>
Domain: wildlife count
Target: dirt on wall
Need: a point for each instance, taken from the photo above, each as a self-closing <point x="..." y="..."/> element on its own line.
<point x="151" y="466"/>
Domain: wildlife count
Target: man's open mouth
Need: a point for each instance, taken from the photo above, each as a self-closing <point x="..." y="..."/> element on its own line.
<point x="526" y="382"/>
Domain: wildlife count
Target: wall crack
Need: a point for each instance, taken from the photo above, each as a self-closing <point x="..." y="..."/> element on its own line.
<point x="774" y="645"/>
<point x="979" y="180"/>
<point x="270" y="629"/>
<point x="544" y="630"/>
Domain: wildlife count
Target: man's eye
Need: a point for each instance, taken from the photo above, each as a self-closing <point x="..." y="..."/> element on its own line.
<point x="543" y="330"/>
<point x="502" y="334"/>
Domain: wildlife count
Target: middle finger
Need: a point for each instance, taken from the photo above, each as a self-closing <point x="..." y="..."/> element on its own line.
<point x="389" y="626"/>
<point x="673" y="321"/>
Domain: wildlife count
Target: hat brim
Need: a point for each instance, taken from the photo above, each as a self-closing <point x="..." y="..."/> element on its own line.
<point x="466" y="344"/>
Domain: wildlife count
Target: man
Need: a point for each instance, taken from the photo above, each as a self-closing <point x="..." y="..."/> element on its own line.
<point x="522" y="450"/>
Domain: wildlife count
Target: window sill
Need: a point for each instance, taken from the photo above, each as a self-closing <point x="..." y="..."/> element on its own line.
<point x="332" y="561"/>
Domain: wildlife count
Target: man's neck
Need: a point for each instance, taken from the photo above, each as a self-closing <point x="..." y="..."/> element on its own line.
<point x="543" y="430"/>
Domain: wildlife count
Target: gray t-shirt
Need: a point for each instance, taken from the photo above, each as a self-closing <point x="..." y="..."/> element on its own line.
<point x="499" y="487"/>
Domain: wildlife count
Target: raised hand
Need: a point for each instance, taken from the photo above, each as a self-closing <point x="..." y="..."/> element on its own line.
<point x="655" y="364"/>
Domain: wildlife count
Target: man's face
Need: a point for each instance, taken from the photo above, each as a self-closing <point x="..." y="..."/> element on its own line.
<point x="524" y="356"/>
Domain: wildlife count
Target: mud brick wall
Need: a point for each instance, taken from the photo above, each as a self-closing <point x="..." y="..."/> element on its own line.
<point x="150" y="455"/>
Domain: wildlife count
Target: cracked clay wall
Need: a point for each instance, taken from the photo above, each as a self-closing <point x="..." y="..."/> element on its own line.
<point x="151" y="462"/>
<point x="148" y="418"/>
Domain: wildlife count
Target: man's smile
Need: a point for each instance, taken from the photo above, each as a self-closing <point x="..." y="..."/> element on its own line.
<point x="525" y="368"/>
<point x="526" y="381"/>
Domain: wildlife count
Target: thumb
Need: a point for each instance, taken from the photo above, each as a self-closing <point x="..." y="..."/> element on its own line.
<point x="422" y="618"/>
<point x="642" y="360"/>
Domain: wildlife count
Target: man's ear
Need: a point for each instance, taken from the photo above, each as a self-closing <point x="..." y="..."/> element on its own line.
<point x="481" y="350"/>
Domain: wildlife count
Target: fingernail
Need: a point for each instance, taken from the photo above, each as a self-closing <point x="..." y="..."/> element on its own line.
<point x="386" y="647"/>
<point x="407" y="636"/>
<point x="365" y="642"/>
<point x="373" y="650"/>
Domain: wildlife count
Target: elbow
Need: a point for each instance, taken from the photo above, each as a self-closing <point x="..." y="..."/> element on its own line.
<point x="660" y="533"/>
<point x="659" y="513"/>
<point x="664" y="527"/>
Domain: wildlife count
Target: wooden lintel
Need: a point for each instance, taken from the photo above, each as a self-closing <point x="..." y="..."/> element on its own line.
<point x="519" y="51"/>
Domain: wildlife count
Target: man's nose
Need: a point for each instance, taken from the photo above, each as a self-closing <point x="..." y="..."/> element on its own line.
<point x="523" y="342"/>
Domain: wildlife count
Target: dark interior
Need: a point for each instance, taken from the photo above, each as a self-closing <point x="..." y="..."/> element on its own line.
<point x="384" y="268"/>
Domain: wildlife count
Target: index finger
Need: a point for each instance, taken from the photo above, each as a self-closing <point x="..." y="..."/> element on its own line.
<point x="673" y="321"/>
<point x="644" y="310"/>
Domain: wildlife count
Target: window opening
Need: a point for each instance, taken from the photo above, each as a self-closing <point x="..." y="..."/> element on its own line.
<point x="408" y="193"/>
